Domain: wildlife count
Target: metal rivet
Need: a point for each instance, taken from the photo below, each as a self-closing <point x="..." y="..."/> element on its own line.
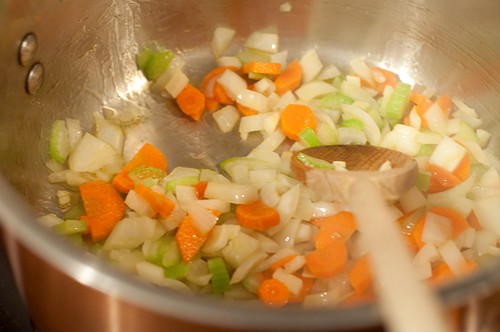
<point x="27" y="49"/>
<point x="34" y="79"/>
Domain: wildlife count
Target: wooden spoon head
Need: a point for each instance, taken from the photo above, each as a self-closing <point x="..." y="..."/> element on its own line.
<point x="363" y="163"/>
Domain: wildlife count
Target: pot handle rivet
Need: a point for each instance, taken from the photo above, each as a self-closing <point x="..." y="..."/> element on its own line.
<point x="34" y="79"/>
<point x="27" y="49"/>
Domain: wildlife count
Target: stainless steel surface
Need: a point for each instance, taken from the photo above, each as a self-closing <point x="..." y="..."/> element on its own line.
<point x="87" y="49"/>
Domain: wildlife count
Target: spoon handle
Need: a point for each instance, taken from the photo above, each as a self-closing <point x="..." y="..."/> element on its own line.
<point x="407" y="304"/>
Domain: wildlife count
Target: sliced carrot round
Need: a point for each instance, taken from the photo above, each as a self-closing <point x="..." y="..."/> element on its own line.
<point x="295" y="118"/>
<point x="273" y="293"/>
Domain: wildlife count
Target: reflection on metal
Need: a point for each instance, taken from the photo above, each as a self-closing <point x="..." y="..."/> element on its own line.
<point x="34" y="79"/>
<point x="27" y="49"/>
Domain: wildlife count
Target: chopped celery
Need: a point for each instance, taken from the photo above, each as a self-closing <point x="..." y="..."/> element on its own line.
<point x="249" y="55"/>
<point x="334" y="101"/>
<point x="314" y="162"/>
<point x="184" y="181"/>
<point x="398" y="101"/>
<point x="154" y="63"/>
<point x="59" y="147"/>
<point x="256" y="76"/>
<point x="71" y="226"/>
<point x="426" y="150"/>
<point x="353" y="123"/>
<point x="220" y="275"/>
<point x="144" y="172"/>
<point x="172" y="255"/>
<point x="154" y="251"/>
<point x="143" y="58"/>
<point x="423" y="180"/>
<point x="75" y="211"/>
<point x="177" y="271"/>
<point x="309" y="138"/>
<point x="337" y="81"/>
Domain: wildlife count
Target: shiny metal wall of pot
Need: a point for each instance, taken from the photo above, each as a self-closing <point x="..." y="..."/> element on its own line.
<point x="85" y="55"/>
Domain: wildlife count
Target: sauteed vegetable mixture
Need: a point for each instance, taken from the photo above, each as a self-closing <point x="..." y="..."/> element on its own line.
<point x="250" y="230"/>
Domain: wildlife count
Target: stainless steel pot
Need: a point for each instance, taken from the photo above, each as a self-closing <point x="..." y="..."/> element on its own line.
<point x="82" y="57"/>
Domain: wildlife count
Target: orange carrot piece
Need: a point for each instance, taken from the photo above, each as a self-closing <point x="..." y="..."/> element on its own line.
<point x="261" y="67"/>
<point x="200" y="189"/>
<point x="338" y="227"/>
<point x="360" y="275"/>
<point x="221" y="96"/>
<point x="211" y="104"/>
<point x="290" y="78"/>
<point x="246" y="111"/>
<point x="273" y="293"/>
<point x="189" y="239"/>
<point x="391" y="79"/>
<point x="104" y="207"/>
<point x="417" y="231"/>
<point x="440" y="273"/>
<point x="473" y="221"/>
<point x="282" y="262"/>
<point x="213" y="75"/>
<point x="462" y="171"/>
<point x="148" y="155"/>
<point x="422" y="104"/>
<point x="441" y="179"/>
<point x="295" y="118"/>
<point x="444" y="101"/>
<point x="191" y="101"/>
<point x="459" y="223"/>
<point x="257" y="215"/>
<point x="161" y="204"/>
<point x="328" y="261"/>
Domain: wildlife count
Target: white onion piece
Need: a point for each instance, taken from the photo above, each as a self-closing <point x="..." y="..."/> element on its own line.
<point x="239" y="249"/>
<point x="177" y="83"/>
<point x="215" y="204"/>
<point x="437" y="229"/>
<point x="436" y="120"/>
<point x="415" y="120"/>
<point x="252" y="99"/>
<point x="285" y="99"/>
<point x="371" y="129"/>
<point x="74" y="132"/>
<point x="177" y="63"/>
<point x="221" y="40"/>
<point x="490" y="178"/>
<point x="326" y="209"/>
<point x="50" y="220"/>
<point x="131" y="233"/>
<point x="412" y="200"/>
<point x="348" y="135"/>
<point x="155" y="274"/>
<point x="428" y="138"/>
<point x="263" y="41"/>
<point x="232" y="192"/>
<point x="226" y="118"/>
<point x="295" y="264"/>
<point x="92" y="154"/>
<point x="452" y="257"/>
<point x="229" y="61"/>
<point x="138" y="204"/>
<point x="293" y="283"/>
<point x="328" y="72"/>
<point x="427" y="254"/>
<point x="447" y="154"/>
<point x="252" y="123"/>
<point x="288" y="204"/>
<point x="314" y="89"/>
<point x="360" y="68"/>
<point x="185" y="195"/>
<point x="487" y="211"/>
<point x="483" y="137"/>
<point x="358" y="93"/>
<point x="232" y="83"/>
<point x="203" y="220"/>
<point x="109" y="132"/>
<point x="247" y="266"/>
<point x="219" y="237"/>
<point x="311" y="65"/>
<point x="280" y="57"/>
<point x="269" y="194"/>
<point x="483" y="241"/>
<point x="477" y="152"/>
<point x="264" y="86"/>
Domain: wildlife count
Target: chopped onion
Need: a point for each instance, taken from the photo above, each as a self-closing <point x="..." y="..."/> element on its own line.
<point x="219" y="237"/>
<point x="436" y="120"/>
<point x="280" y="57"/>
<point x="484" y="240"/>
<point x="229" y="61"/>
<point x="487" y="211"/>
<point x="221" y="40"/>
<point x="232" y="192"/>
<point x="131" y="232"/>
<point x="452" y="257"/>
<point x="412" y="200"/>
<point x="447" y="154"/>
<point x="311" y="65"/>
<point x="139" y="205"/>
<point x="74" y="132"/>
<point x="177" y="83"/>
<point x="370" y="129"/>
<point x="247" y="266"/>
<point x="292" y="282"/>
<point x="92" y="154"/>
<point x="437" y="229"/>
<point x="360" y="68"/>
<point x="252" y="99"/>
<point x="203" y="220"/>
<point x="314" y="89"/>
<point x="328" y="72"/>
<point x="226" y="118"/>
<point x="263" y="41"/>
<point x="239" y="249"/>
<point x="232" y="83"/>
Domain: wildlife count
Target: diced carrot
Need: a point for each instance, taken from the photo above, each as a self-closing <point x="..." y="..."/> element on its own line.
<point x="221" y="96"/>
<point x="338" y="227"/>
<point x="191" y="101"/>
<point x="441" y="179"/>
<point x="307" y="284"/>
<point x="282" y="262"/>
<point x="295" y="118"/>
<point x="246" y="111"/>
<point x="462" y="171"/>
<point x="406" y="120"/>
<point x="261" y="67"/>
<point x="290" y="78"/>
<point x="422" y="103"/>
<point x="213" y="75"/>
<point x="104" y="207"/>
<point x="273" y="293"/>
<point x="440" y="273"/>
<point x="391" y="79"/>
<point x="257" y="215"/>
<point x="148" y="155"/>
<point x="459" y="223"/>
<point x="360" y="275"/>
<point x="444" y="101"/>
<point x="160" y="203"/>
<point x="211" y="104"/>
<point x="200" y="189"/>
<point x="417" y="231"/>
<point x="328" y="261"/>
<point x="473" y="221"/>
<point x="189" y="239"/>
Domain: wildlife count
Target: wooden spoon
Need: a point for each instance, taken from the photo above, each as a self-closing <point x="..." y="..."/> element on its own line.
<point x="406" y="303"/>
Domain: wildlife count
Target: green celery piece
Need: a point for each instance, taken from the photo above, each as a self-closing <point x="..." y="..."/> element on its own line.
<point x="158" y="249"/>
<point x="353" y="123"/>
<point x="59" y="147"/>
<point x="423" y="180"/>
<point x="71" y="226"/>
<point x="172" y="255"/>
<point x="177" y="271"/>
<point x="157" y="64"/>
<point x="255" y="76"/>
<point x="309" y="137"/>
<point x="337" y="81"/>
<point x="314" y="162"/>
<point x="144" y="172"/>
<point x="398" y="101"/>
<point x="426" y="150"/>
<point x="248" y="55"/>
<point x="75" y="211"/>
<point x="143" y="58"/>
<point x="220" y="275"/>
<point x="184" y="181"/>
<point x="334" y="101"/>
